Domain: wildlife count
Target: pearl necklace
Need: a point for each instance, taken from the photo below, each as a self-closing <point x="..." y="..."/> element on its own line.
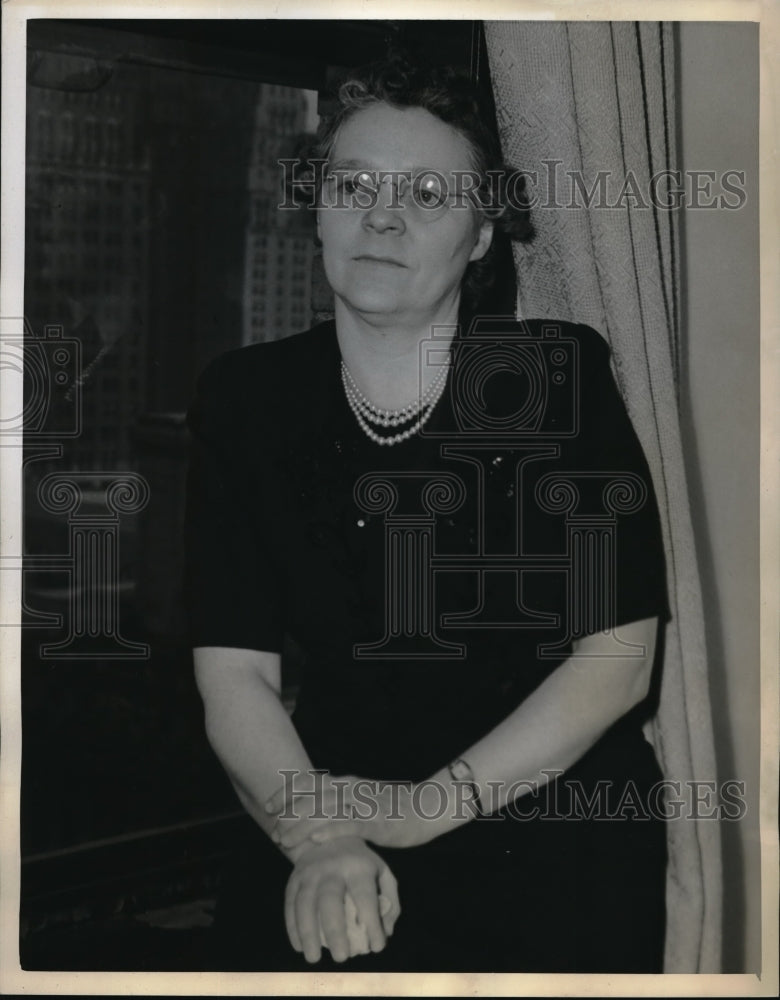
<point x="366" y="413"/>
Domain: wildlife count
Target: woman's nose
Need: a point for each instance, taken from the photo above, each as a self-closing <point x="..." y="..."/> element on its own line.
<point x="386" y="211"/>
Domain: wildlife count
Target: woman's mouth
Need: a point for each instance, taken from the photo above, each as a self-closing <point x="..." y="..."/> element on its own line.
<point x="373" y="259"/>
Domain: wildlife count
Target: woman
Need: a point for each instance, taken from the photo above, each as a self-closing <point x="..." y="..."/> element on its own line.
<point x="452" y="520"/>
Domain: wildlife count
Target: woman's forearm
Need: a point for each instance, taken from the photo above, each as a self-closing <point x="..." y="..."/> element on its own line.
<point x="555" y="726"/>
<point x="248" y="726"/>
<point x="547" y="733"/>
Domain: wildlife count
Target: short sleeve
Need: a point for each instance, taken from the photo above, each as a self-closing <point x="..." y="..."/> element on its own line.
<point x="231" y="583"/>
<point x="607" y="455"/>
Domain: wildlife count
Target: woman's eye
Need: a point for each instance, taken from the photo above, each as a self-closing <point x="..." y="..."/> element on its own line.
<point x="430" y="193"/>
<point x="344" y="183"/>
<point x="362" y="182"/>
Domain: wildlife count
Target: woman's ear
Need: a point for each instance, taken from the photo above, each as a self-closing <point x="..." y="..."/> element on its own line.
<point x="484" y="239"/>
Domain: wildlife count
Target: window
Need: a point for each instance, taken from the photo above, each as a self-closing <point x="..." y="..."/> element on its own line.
<point x="132" y="167"/>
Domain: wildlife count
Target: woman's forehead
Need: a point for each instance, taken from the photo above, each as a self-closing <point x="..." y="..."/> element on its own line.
<point x="383" y="137"/>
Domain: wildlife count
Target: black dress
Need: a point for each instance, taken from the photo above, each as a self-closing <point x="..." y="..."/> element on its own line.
<point x="433" y="585"/>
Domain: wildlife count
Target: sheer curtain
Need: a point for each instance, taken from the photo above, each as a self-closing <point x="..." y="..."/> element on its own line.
<point x="587" y="109"/>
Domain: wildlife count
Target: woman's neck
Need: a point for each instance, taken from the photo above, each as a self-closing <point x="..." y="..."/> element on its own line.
<point x="393" y="365"/>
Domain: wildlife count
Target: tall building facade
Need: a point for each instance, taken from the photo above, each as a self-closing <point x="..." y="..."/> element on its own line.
<point x="87" y="252"/>
<point x="277" y="286"/>
<point x="153" y="234"/>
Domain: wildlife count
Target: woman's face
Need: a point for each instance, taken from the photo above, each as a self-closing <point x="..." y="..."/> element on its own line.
<point x="390" y="261"/>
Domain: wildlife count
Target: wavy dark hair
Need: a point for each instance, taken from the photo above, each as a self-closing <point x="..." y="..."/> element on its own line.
<point x="450" y="95"/>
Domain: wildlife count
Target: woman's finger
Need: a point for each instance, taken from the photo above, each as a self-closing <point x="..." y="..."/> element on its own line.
<point x="357" y="935"/>
<point x="330" y="907"/>
<point x="289" y="914"/>
<point x="366" y="899"/>
<point x="329" y="803"/>
<point x="335" y="829"/>
<point x="326" y="826"/>
<point x="294" y="833"/>
<point x="306" y="920"/>
<point x="388" y="889"/>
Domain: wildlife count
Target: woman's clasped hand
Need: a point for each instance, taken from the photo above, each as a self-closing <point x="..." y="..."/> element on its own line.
<point x="340" y="895"/>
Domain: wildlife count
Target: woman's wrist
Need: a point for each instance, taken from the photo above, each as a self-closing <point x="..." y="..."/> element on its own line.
<point x="294" y="854"/>
<point x="441" y="804"/>
<point x="391" y="814"/>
